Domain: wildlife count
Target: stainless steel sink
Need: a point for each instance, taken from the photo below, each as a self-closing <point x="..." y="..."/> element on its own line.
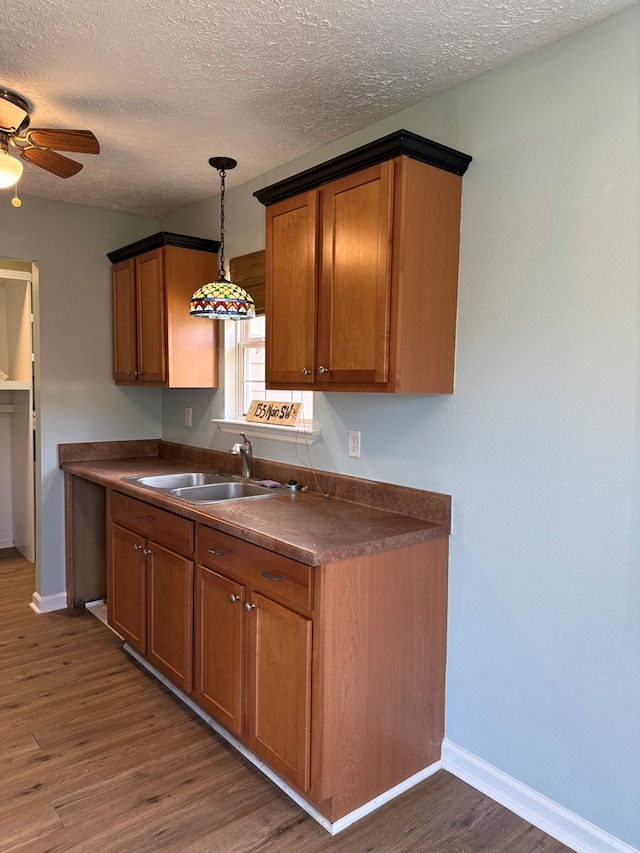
<point x="169" y="482"/>
<point x="230" y="491"/>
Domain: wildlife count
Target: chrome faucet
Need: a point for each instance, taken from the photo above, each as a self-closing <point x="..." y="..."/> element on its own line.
<point x="245" y="452"/>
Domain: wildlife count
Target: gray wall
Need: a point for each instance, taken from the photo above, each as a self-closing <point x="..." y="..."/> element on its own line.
<point x="539" y="446"/>
<point x="78" y="400"/>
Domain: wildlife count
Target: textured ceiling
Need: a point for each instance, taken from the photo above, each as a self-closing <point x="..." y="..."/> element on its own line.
<point x="166" y="84"/>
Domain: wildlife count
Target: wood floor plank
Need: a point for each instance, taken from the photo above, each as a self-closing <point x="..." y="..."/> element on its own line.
<point x="98" y="757"/>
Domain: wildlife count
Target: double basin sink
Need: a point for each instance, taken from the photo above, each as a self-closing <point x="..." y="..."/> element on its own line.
<point x="203" y="486"/>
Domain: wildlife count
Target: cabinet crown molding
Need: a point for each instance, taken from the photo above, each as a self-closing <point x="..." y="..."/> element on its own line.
<point x="386" y="148"/>
<point x="162" y="238"/>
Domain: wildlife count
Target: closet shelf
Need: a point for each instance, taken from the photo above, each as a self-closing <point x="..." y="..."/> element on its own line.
<point x="14" y="385"/>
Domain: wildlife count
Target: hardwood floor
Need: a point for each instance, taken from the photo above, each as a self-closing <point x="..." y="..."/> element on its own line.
<point x="97" y="757"/>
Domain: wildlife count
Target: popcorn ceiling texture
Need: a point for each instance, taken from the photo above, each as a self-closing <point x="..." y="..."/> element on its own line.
<point x="166" y="84"/>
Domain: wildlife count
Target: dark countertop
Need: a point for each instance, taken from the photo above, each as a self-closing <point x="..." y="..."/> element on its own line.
<point x="305" y="526"/>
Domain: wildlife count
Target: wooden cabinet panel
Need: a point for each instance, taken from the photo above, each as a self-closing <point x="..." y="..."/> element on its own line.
<point x="219" y="648"/>
<point x="151" y="317"/>
<point x="279" y="688"/>
<point x="155" y="340"/>
<point x="278" y="577"/>
<point x="355" y="283"/>
<point x="124" y="311"/>
<point x="170" y="614"/>
<point x="150" y="584"/>
<point x="291" y="261"/>
<point x="379" y="715"/>
<point x="253" y="655"/>
<point x="126" y="586"/>
<point x="171" y="530"/>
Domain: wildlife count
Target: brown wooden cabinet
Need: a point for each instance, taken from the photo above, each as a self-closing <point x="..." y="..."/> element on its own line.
<point x="333" y="676"/>
<point x="253" y="653"/>
<point x="220" y="648"/>
<point x="155" y="340"/>
<point x="362" y="270"/>
<point x="150" y="584"/>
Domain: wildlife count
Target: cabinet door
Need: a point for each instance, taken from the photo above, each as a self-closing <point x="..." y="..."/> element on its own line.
<point x="279" y="688"/>
<point x="291" y="285"/>
<point x="126" y="586"/>
<point x="219" y="648"/>
<point x="355" y="282"/>
<point x="123" y="294"/>
<point x="151" y="317"/>
<point x="170" y="614"/>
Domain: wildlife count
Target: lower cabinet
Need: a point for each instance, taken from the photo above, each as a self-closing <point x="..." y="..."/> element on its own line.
<point x="252" y="652"/>
<point x="332" y="675"/>
<point x="150" y="585"/>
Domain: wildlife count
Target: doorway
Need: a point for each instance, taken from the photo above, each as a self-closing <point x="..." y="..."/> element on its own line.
<point x="17" y="407"/>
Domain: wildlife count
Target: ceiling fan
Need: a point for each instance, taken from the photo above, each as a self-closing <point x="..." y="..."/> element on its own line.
<point x="40" y="146"/>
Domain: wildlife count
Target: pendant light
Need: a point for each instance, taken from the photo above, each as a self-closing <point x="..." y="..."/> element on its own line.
<point x="222" y="300"/>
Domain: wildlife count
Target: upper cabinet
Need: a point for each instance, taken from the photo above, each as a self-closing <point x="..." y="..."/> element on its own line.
<point x="155" y="340"/>
<point x="362" y="270"/>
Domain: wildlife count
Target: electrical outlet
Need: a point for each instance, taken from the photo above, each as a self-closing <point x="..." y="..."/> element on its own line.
<point x="188" y="416"/>
<point x="354" y="442"/>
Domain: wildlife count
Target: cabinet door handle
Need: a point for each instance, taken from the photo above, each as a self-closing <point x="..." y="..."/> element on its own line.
<point x="267" y="574"/>
<point x="322" y="369"/>
<point x="137" y="547"/>
<point x="305" y="371"/>
<point x="144" y="519"/>
<point x="146" y="552"/>
<point x="249" y="607"/>
<point x="217" y="553"/>
<point x="233" y="598"/>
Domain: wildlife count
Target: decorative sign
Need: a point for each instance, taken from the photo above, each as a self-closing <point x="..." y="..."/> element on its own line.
<point x="270" y="412"/>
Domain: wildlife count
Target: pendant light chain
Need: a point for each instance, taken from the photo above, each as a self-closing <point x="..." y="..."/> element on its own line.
<point x="223" y="175"/>
<point x="222" y="300"/>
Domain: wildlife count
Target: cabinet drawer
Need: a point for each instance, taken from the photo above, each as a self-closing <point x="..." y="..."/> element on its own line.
<point x="277" y="576"/>
<point x="164" y="527"/>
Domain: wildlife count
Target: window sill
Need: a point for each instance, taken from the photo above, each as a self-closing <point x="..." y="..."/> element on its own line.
<point x="274" y="432"/>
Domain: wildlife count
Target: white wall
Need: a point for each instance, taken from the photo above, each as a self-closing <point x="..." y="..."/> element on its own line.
<point x="78" y="400"/>
<point x="539" y="446"/>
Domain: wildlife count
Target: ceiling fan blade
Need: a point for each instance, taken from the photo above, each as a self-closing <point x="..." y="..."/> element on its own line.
<point x="82" y="141"/>
<point x="60" y="165"/>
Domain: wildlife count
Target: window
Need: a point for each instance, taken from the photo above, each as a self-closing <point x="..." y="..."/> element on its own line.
<point x="251" y="373"/>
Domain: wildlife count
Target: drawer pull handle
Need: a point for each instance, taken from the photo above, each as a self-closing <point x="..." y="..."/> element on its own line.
<point x="267" y="574"/>
<point x="217" y="553"/>
<point x="249" y="607"/>
<point x="144" y="519"/>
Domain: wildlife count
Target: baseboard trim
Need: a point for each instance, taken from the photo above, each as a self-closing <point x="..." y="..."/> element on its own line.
<point x="547" y="815"/>
<point x="48" y="603"/>
<point x="332" y="828"/>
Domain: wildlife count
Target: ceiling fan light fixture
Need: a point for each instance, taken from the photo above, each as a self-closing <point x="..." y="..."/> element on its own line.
<point x="221" y="299"/>
<point x="10" y="169"/>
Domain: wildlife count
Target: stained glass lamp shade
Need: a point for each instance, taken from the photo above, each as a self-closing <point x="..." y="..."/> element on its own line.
<point x="222" y="300"/>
